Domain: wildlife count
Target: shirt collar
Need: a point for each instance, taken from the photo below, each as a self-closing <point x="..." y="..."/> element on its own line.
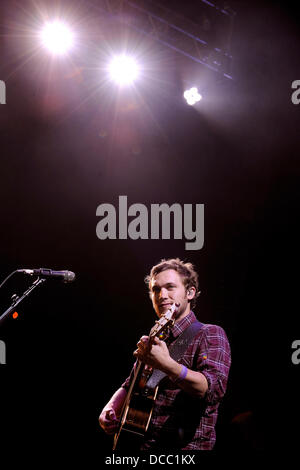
<point x="182" y="324"/>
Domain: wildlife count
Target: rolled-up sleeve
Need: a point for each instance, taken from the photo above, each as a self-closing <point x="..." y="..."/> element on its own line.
<point x="213" y="361"/>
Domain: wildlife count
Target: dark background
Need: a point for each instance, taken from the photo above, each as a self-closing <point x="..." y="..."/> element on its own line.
<point x="71" y="141"/>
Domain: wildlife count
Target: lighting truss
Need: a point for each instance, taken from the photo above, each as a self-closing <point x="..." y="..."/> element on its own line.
<point x="195" y="41"/>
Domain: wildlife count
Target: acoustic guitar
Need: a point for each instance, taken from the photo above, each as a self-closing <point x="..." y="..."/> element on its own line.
<point x="138" y="406"/>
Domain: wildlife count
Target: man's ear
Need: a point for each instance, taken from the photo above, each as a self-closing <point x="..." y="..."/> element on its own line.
<point x="191" y="292"/>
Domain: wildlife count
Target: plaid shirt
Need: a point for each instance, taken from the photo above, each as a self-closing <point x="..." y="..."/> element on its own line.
<point x="179" y="420"/>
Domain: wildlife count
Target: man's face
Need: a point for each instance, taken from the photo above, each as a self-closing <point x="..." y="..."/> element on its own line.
<point x="166" y="288"/>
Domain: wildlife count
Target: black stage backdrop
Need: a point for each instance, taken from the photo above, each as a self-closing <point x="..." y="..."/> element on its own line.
<point x="70" y="141"/>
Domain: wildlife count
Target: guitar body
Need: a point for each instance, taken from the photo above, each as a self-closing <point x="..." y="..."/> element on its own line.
<point x="139" y="413"/>
<point x="137" y="409"/>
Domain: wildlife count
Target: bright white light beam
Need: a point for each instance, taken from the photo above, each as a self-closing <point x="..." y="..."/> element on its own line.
<point x="123" y="70"/>
<point x="192" y="96"/>
<point x="57" y="37"/>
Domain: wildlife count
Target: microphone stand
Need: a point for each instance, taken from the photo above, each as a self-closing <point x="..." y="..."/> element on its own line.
<point x="16" y="299"/>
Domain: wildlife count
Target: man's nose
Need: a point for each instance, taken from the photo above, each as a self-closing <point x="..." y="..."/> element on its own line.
<point x="163" y="293"/>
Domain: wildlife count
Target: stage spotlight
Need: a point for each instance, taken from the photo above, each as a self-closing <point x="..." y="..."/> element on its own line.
<point x="123" y="70"/>
<point x="192" y="96"/>
<point x="57" y="37"/>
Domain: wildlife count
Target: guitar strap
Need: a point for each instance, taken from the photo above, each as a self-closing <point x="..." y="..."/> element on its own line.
<point x="176" y="350"/>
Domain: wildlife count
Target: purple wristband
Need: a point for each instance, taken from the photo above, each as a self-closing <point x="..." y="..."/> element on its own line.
<point x="182" y="375"/>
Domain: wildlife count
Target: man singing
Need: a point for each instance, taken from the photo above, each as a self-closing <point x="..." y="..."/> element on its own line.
<point x="186" y="406"/>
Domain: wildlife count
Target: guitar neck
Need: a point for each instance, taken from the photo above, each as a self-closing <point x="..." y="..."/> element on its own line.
<point x="138" y="369"/>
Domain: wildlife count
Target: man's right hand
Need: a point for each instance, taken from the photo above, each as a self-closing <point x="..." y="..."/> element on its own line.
<point x="108" y="420"/>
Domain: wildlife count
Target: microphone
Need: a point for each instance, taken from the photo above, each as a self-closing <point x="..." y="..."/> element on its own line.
<point x="66" y="276"/>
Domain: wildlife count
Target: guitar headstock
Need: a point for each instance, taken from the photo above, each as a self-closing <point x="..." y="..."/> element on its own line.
<point x="165" y="321"/>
